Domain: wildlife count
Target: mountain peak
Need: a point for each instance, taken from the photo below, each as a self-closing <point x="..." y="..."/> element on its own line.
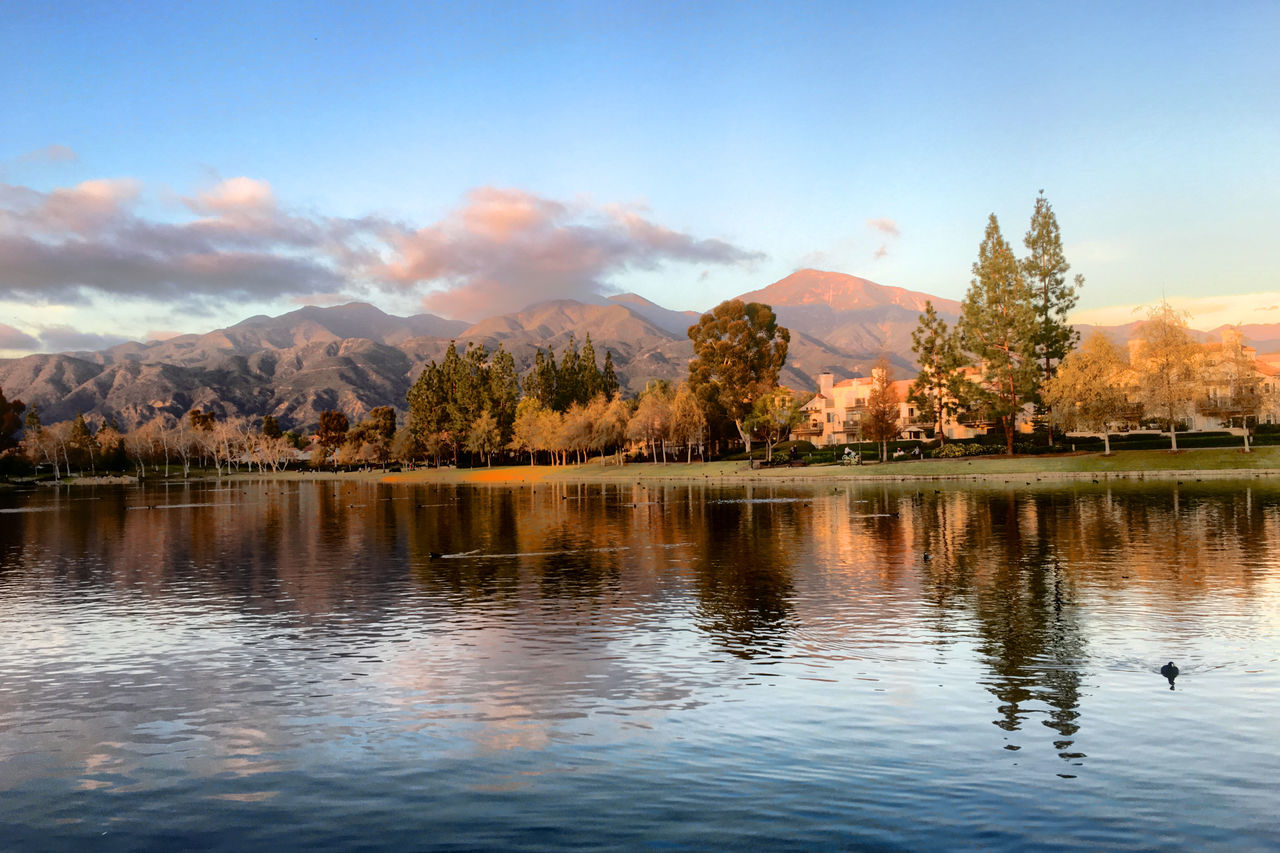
<point x="841" y="292"/>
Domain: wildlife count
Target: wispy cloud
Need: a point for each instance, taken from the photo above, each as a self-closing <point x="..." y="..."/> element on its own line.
<point x="885" y="226"/>
<point x="500" y="249"/>
<point x="49" y="154"/>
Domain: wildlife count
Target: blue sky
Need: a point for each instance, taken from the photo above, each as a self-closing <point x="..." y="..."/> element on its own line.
<point x="462" y="157"/>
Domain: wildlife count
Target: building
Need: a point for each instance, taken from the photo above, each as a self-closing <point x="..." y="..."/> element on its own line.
<point x="835" y="414"/>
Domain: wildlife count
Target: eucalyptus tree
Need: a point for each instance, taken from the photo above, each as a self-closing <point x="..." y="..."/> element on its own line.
<point x="738" y="351"/>
<point x="998" y="325"/>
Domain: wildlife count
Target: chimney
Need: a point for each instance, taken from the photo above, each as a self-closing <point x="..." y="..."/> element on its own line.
<point x="825" y="381"/>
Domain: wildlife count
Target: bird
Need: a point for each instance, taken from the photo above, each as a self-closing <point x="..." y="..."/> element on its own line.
<point x="1170" y="672"/>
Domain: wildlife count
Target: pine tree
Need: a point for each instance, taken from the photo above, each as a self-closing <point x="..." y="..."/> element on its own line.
<point x="1045" y="268"/>
<point x="882" y="422"/>
<point x="998" y="325"/>
<point x="609" y="385"/>
<point x="940" y="390"/>
<point x="10" y="421"/>
<point x="590" y="381"/>
<point x="504" y="391"/>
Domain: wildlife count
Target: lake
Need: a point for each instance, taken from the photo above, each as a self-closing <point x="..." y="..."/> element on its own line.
<point x="350" y="665"/>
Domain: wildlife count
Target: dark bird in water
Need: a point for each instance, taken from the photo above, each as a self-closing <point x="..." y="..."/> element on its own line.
<point x="435" y="555"/>
<point x="1170" y="672"/>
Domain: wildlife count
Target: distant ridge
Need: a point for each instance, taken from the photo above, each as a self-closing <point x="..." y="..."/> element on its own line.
<point x="356" y="356"/>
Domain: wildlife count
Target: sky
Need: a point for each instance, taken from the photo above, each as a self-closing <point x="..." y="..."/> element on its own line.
<point x="177" y="167"/>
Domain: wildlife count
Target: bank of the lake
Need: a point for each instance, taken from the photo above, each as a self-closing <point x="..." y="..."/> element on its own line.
<point x="1132" y="464"/>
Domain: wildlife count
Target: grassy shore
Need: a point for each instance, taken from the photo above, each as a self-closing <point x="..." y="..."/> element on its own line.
<point x="1129" y="464"/>
<point x="1216" y="463"/>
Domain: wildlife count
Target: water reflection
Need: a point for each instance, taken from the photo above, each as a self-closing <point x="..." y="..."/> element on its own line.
<point x="275" y="629"/>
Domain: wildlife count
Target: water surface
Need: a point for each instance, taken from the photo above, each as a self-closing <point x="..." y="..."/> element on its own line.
<point x="348" y="665"/>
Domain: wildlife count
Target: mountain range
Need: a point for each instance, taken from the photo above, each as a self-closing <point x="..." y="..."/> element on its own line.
<point x="355" y="357"/>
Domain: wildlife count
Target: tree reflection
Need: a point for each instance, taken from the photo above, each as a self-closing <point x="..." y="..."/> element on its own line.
<point x="744" y="575"/>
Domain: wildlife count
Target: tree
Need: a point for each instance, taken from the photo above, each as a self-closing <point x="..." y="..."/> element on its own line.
<point x="688" y="422"/>
<point x="1233" y="385"/>
<point x="485" y="437"/>
<point x="881" y="423"/>
<point x="651" y="422"/>
<point x="998" y="325"/>
<point x="10" y="421"/>
<point x="738" y="351"/>
<point x="371" y="438"/>
<point x="1166" y="363"/>
<point x="940" y="390"/>
<point x="525" y="430"/>
<point x="80" y="440"/>
<point x="1087" y="391"/>
<point x="609" y="385"/>
<point x="1045" y="268"/>
<point x="332" y="431"/>
<point x="270" y="427"/>
<point x="773" y="416"/>
<point x="609" y="428"/>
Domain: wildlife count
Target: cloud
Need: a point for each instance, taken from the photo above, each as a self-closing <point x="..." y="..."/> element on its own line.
<point x="11" y="338"/>
<point x="62" y="338"/>
<point x="66" y="244"/>
<point x="885" y="226"/>
<point x="882" y="251"/>
<point x="504" y="249"/>
<point x="501" y="249"/>
<point x="50" y="154"/>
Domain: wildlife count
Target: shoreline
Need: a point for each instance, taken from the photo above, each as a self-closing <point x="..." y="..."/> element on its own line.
<point x="1202" y="464"/>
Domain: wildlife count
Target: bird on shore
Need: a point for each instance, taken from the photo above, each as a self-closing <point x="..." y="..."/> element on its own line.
<point x="1170" y="672"/>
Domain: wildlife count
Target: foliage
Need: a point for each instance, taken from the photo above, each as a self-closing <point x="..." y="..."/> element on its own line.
<point x="271" y="427"/>
<point x="998" y="325"/>
<point x="773" y="416"/>
<point x="738" y="351"/>
<point x="1166" y="365"/>
<point x="447" y="399"/>
<point x="881" y="422"/>
<point x="1087" y="393"/>
<point x="1045" y="268"/>
<point x="10" y="421"/>
<point x="940" y="390"/>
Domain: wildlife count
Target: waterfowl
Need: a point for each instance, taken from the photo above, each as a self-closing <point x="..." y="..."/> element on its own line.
<point x="1169" y="671"/>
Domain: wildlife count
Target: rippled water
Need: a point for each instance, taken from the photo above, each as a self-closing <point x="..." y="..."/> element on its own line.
<point x="345" y="665"/>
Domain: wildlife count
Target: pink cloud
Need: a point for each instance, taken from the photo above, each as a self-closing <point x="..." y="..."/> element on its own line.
<point x="885" y="226"/>
<point x="504" y="249"/>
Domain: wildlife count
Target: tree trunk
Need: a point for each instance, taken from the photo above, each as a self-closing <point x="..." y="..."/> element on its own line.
<point x="1173" y="435"/>
<point x="1008" y="433"/>
<point x="746" y="438"/>
<point x="1106" y="442"/>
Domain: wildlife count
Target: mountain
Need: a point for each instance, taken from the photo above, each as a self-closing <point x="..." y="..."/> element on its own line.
<point x="852" y="315"/>
<point x="355" y="357"/>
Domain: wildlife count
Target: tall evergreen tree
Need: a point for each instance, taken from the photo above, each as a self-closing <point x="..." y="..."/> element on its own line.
<point x="609" y="385"/>
<point x="10" y="421"/>
<point x="504" y="391"/>
<point x="590" y="380"/>
<point x="568" y="378"/>
<point x="1045" y="268"/>
<point x="998" y="325"/>
<point x="540" y="384"/>
<point x="940" y="390"/>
